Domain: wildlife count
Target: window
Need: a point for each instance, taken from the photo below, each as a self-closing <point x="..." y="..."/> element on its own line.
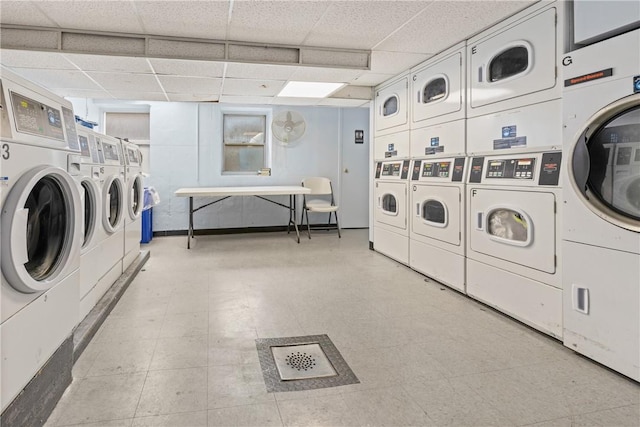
<point x="390" y="106"/>
<point x="435" y="90"/>
<point x="389" y="204"/>
<point x="133" y="126"/>
<point x="244" y="142"/>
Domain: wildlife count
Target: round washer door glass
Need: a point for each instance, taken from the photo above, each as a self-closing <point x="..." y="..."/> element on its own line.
<point x="614" y="163"/>
<point x="47" y="228"/>
<point x="115" y="207"/>
<point x="90" y="204"/>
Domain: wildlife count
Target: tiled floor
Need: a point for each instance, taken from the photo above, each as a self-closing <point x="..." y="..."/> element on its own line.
<point x="179" y="350"/>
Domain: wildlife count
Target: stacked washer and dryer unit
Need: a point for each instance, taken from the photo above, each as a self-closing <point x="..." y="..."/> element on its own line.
<point x="514" y="139"/>
<point x="41" y="221"/>
<point x="437" y="196"/>
<point x="601" y="225"/>
<point x="392" y="164"/>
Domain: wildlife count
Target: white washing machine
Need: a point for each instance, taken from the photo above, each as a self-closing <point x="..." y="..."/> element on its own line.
<point x="41" y="221"/>
<point x="513" y="237"/>
<point x="392" y="106"/>
<point x="134" y="201"/>
<point x="513" y="86"/>
<point x="601" y="227"/>
<point x="391" y="198"/>
<point x="113" y="214"/>
<point x="437" y="210"/>
<point x="439" y="104"/>
<point x="88" y="171"/>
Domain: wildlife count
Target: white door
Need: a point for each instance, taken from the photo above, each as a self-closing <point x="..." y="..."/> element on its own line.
<point x="41" y="229"/>
<point x="436" y="212"/>
<point x="437" y="89"/>
<point x="391" y="204"/>
<point x="392" y="105"/>
<point x="514" y="62"/>
<point x="515" y="226"/>
<point x="354" y="182"/>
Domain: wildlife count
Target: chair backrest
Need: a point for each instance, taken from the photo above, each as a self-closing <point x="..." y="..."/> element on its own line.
<point x="318" y="185"/>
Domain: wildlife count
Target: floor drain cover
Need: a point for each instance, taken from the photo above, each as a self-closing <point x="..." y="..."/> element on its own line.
<point x="302" y="363"/>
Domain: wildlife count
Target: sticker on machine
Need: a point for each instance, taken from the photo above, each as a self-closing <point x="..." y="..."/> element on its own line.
<point x="504" y="143"/>
<point x="4" y="181"/>
<point x="433" y="150"/>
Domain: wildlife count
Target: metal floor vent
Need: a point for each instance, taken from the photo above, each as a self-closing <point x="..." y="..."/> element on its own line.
<point x="302" y="363"/>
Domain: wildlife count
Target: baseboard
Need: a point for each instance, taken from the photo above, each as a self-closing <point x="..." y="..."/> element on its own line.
<point x="239" y="230"/>
<point x="37" y="400"/>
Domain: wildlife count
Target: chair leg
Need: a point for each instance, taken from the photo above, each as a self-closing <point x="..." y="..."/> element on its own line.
<point x="306" y="211"/>
<point x="337" y="225"/>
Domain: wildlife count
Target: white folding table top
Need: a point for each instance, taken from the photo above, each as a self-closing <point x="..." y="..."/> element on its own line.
<point x="268" y="190"/>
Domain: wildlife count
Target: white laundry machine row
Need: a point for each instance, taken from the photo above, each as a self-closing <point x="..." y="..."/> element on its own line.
<point x="391" y="106"/>
<point x="437" y="211"/>
<point x="111" y="236"/>
<point x="601" y="226"/>
<point x="513" y="237"/>
<point x="391" y="196"/>
<point x="438" y="105"/>
<point x="41" y="222"/>
<point x="134" y="201"/>
<point x="513" y="86"/>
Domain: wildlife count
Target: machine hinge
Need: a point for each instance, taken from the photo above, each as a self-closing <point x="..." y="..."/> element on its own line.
<point x="459" y="235"/>
<point x="555" y="207"/>
<point x="555" y="260"/>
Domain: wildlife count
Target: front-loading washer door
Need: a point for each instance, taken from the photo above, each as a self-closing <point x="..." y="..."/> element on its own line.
<point x="515" y="226"/>
<point x="41" y="225"/>
<point x="90" y="199"/>
<point x="436" y="212"/>
<point x="112" y="203"/>
<point x="605" y="163"/>
<point x="391" y="204"/>
<point x="136" y="197"/>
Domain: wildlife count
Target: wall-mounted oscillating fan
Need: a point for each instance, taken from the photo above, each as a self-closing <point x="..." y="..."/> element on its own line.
<point x="288" y="127"/>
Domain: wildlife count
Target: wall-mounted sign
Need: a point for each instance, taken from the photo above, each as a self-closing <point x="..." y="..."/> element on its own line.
<point x="359" y="136"/>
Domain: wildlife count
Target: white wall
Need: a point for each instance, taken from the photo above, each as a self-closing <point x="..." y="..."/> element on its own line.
<point x="186" y="151"/>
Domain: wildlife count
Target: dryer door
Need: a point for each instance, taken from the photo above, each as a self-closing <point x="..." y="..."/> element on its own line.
<point x="41" y="229"/>
<point x="437" y="89"/>
<point x="605" y="163"/>
<point x="436" y="212"/>
<point x="392" y="106"/>
<point x="391" y="204"/>
<point x="517" y="61"/>
<point x="515" y="226"/>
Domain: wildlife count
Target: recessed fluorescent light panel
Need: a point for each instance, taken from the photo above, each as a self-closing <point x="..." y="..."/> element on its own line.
<point x="309" y="89"/>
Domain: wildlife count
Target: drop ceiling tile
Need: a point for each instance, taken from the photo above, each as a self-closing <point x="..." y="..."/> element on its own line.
<point x="124" y="82"/>
<point x="395" y="62"/>
<point x="56" y="79"/>
<point x="114" y="16"/>
<point x="370" y="79"/>
<point x="295" y="101"/>
<point x="445" y="23"/>
<point x="34" y="59"/>
<point x="254" y="100"/>
<point x="337" y="75"/>
<point x="176" y="84"/>
<point x="139" y="96"/>
<point x="23" y="13"/>
<point x="81" y="93"/>
<point x="334" y="102"/>
<point x="264" y="71"/>
<point x="193" y="97"/>
<point x="178" y="67"/>
<point x="122" y="64"/>
<point x="361" y="24"/>
<point x="252" y="87"/>
<point x="283" y="22"/>
<point x="197" y="19"/>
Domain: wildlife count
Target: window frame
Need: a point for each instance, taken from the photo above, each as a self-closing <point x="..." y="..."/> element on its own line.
<point x="267" y="144"/>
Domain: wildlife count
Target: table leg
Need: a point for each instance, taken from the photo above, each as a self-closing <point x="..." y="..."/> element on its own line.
<point x="294" y="212"/>
<point x="190" y="231"/>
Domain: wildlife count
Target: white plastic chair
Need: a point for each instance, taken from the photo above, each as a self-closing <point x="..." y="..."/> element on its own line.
<point x="319" y="186"/>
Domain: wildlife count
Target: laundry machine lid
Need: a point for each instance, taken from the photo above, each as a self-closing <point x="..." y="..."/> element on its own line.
<point x="40" y="222"/>
<point x="605" y="163"/>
